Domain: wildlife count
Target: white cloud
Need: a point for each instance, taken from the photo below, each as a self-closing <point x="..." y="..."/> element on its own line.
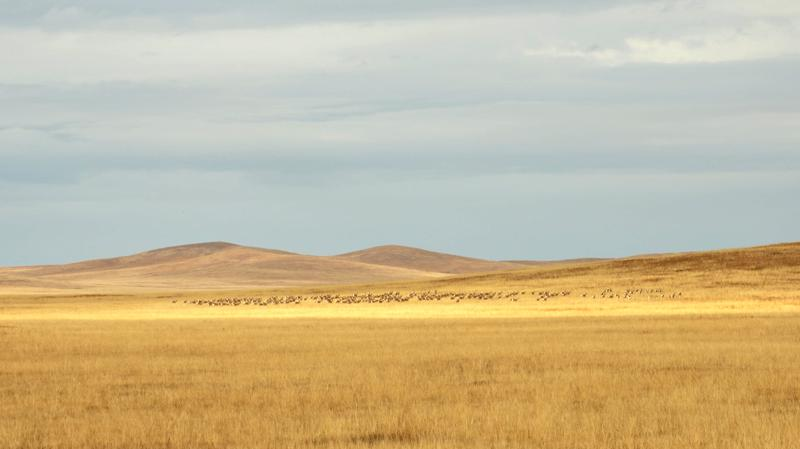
<point x="687" y="32"/>
<point x="760" y="41"/>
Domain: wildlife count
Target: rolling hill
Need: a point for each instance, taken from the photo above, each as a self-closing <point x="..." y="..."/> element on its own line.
<point x="219" y="265"/>
<point x="420" y="259"/>
<point x="226" y="265"/>
<point x="766" y="272"/>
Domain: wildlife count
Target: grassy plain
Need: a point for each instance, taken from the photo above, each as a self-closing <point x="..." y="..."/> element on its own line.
<point x="717" y="367"/>
<point x="700" y="381"/>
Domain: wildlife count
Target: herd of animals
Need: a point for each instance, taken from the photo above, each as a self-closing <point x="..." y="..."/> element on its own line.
<point x="435" y="295"/>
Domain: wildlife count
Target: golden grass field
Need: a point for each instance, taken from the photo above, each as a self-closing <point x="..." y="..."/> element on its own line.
<point x="716" y="367"/>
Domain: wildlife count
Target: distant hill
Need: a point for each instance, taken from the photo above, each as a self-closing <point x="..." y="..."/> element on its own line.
<point x="769" y="271"/>
<point x="220" y="265"/>
<point x="420" y="259"/>
<point x="226" y="265"/>
<point x="163" y="257"/>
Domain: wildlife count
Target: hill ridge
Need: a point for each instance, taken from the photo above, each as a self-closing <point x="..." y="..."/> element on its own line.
<point x="408" y="256"/>
<point x="222" y="264"/>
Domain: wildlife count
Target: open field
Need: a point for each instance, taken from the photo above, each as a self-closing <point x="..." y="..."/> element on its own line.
<point x="675" y="351"/>
<point x="701" y="381"/>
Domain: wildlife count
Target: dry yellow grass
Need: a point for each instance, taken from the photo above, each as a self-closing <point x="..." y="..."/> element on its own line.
<point x="717" y="367"/>
<point x="604" y="382"/>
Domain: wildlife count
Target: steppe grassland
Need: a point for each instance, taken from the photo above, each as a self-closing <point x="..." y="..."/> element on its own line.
<point x="717" y="368"/>
<point x="714" y="288"/>
<point x="602" y="382"/>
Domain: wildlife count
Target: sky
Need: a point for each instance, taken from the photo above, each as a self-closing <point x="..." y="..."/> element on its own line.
<point x="509" y="129"/>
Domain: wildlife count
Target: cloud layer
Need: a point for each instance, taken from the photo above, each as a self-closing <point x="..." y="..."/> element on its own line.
<point x="520" y="129"/>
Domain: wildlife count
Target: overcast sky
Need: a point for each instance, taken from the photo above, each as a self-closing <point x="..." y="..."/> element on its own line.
<point x="498" y="129"/>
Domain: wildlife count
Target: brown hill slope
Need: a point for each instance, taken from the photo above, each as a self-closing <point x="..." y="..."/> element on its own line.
<point x="420" y="259"/>
<point x="156" y="257"/>
<point x="770" y="271"/>
<point x="204" y="265"/>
